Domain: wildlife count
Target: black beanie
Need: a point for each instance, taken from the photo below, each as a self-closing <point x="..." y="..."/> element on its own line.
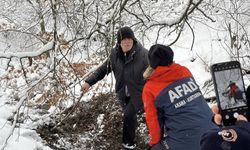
<point x="160" y="55"/>
<point x="125" y="32"/>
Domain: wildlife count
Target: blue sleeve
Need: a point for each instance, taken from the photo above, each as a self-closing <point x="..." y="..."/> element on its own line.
<point x="244" y="125"/>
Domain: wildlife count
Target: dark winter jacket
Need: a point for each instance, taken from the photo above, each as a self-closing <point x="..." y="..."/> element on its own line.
<point x="238" y="140"/>
<point x="128" y="71"/>
<point x="175" y="106"/>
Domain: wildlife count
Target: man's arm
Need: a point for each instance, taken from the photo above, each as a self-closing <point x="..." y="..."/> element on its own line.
<point x="151" y="117"/>
<point x="98" y="75"/>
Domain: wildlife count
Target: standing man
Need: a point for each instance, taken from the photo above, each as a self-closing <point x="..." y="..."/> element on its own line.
<point x="128" y="61"/>
<point x="176" y="111"/>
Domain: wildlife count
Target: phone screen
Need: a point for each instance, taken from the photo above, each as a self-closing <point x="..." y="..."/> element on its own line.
<point x="230" y="87"/>
<point x="230" y="91"/>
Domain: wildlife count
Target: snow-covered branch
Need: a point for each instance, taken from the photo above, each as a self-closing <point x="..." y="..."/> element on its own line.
<point x="44" y="49"/>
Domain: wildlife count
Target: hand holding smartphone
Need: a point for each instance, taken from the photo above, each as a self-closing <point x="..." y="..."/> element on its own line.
<point x="230" y="91"/>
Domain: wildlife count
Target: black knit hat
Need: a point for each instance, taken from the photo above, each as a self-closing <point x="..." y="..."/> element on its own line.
<point x="160" y="55"/>
<point x="125" y="32"/>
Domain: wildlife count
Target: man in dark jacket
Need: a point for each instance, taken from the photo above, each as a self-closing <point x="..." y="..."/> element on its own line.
<point x="128" y="61"/>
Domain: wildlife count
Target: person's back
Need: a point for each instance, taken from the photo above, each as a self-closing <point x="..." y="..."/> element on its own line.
<point x="173" y="100"/>
<point x="187" y="117"/>
<point x="181" y="107"/>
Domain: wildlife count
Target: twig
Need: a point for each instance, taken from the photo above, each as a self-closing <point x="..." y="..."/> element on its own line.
<point x="71" y="110"/>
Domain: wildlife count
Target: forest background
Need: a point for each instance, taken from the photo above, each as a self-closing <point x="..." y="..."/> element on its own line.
<point x="48" y="48"/>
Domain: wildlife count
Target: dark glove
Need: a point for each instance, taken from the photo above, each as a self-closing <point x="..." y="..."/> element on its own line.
<point x="248" y="93"/>
<point x="148" y="147"/>
<point x="158" y="146"/>
<point x="248" y="102"/>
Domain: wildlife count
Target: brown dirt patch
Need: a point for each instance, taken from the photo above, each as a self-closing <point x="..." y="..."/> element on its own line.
<point x="81" y="129"/>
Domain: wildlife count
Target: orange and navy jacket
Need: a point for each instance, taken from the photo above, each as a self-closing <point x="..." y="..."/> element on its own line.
<point x="173" y="100"/>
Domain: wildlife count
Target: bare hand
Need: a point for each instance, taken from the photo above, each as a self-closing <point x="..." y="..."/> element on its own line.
<point x="85" y="87"/>
<point x="218" y="117"/>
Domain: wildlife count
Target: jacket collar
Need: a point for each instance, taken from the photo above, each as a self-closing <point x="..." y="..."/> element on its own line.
<point x="127" y="58"/>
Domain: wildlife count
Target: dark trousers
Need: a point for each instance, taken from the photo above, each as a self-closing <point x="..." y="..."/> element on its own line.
<point x="129" y="123"/>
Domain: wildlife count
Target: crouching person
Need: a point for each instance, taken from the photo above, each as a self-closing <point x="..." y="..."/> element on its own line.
<point x="176" y="112"/>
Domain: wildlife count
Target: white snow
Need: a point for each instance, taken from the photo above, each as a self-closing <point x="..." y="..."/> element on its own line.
<point x="206" y="51"/>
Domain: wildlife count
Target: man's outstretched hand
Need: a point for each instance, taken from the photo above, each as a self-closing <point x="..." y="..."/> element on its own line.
<point x="85" y="87"/>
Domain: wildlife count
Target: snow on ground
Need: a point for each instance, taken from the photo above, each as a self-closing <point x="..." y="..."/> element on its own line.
<point x="24" y="137"/>
<point x="205" y="52"/>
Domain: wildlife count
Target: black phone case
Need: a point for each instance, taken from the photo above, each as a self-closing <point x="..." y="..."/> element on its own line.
<point x="235" y="95"/>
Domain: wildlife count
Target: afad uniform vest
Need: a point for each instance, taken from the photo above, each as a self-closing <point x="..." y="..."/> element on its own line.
<point x="174" y="103"/>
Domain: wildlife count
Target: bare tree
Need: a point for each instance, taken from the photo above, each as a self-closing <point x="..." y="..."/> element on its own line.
<point x="54" y="33"/>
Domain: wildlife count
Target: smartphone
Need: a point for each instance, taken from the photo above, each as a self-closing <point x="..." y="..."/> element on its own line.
<point x="229" y="90"/>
